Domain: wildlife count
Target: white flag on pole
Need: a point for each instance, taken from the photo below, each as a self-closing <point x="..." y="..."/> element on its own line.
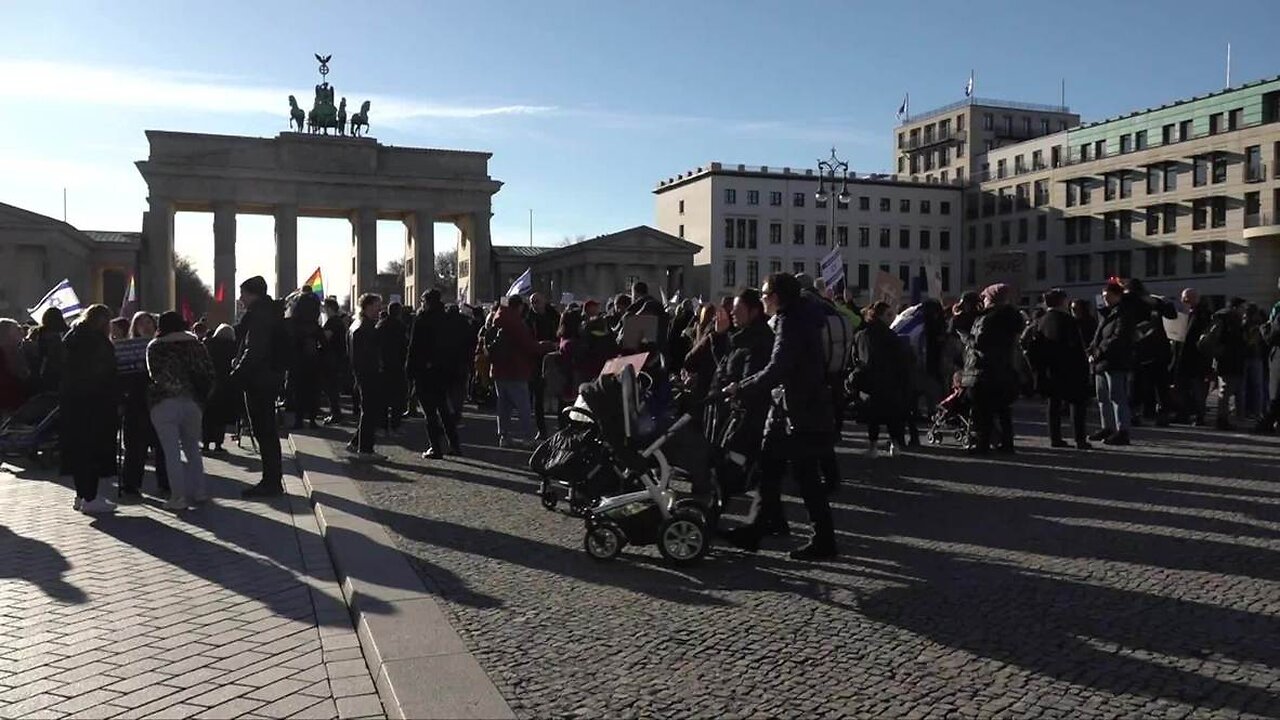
<point x="831" y="268"/>
<point x="968" y="88"/>
<point x="523" y="284"/>
<point x="61" y="297"/>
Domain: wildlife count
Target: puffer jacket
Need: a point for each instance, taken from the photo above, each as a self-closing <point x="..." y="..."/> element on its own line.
<point x="1112" y="347"/>
<point x="989" y="368"/>
<point x="793" y="366"/>
<point x="179" y="366"/>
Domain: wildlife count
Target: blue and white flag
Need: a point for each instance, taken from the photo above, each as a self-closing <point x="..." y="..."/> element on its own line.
<point x="831" y="268"/>
<point x="61" y="297"/>
<point x="523" y="284"/>
<point x="968" y="88"/>
<point x="903" y="109"/>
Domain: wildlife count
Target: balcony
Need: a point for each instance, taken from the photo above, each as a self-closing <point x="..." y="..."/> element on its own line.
<point x="1256" y="173"/>
<point x="1260" y="226"/>
<point x="920" y="143"/>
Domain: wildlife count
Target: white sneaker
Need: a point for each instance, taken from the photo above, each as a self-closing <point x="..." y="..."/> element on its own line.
<point x="97" y="506"/>
<point x="893" y="450"/>
<point x="872" y="453"/>
<point x="177" y="504"/>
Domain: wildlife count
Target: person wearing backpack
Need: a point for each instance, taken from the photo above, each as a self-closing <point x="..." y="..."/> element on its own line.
<point x="1056" y="352"/>
<point x="882" y="365"/>
<point x="1190" y="367"/>
<point x="1225" y="344"/>
<point x="258" y="370"/>
<point x="837" y="346"/>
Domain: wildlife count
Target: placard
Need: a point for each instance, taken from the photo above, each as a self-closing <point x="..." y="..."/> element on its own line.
<point x="1176" y="328"/>
<point x="887" y="289"/>
<point x="131" y="355"/>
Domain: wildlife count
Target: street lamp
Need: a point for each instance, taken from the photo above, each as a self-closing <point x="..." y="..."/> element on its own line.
<point x="827" y="170"/>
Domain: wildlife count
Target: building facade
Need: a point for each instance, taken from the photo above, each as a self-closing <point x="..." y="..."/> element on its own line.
<point x="1184" y="195"/>
<point x="748" y="222"/>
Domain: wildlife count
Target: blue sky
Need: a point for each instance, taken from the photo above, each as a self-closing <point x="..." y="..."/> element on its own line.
<point x="585" y="105"/>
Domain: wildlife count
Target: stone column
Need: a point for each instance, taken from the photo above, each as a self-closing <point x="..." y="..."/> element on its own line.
<point x="156" y="277"/>
<point x="364" y="253"/>
<point x="481" y="272"/>
<point x="287" y="277"/>
<point x="224" y="261"/>
<point x="419" y="256"/>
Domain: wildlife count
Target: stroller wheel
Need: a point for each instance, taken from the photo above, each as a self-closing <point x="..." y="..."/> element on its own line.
<point x="549" y="500"/>
<point x="682" y="538"/>
<point x="602" y="542"/>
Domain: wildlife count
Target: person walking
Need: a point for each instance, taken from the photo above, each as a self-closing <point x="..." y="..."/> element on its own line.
<point x="89" y="394"/>
<point x="334" y="364"/>
<point x="880" y="372"/>
<point x="1224" y="342"/>
<point x="222" y="408"/>
<point x="303" y="384"/>
<point x="800" y="426"/>
<point x="436" y="345"/>
<point x="1192" y="368"/>
<point x="543" y="321"/>
<point x="393" y="338"/>
<point x="512" y="353"/>
<point x="990" y="375"/>
<point x="1111" y="359"/>
<point x="182" y="378"/>
<point x="258" y="370"/>
<point x="370" y="374"/>
<point x="139" y="434"/>
<point x="1058" y="357"/>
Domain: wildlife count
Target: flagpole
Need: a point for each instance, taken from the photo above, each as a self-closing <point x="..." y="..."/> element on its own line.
<point x="1228" y="69"/>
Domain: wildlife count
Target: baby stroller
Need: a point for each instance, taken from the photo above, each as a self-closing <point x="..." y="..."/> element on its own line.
<point x="951" y="419"/>
<point x="31" y="430"/>
<point x="576" y="462"/>
<point x="679" y="523"/>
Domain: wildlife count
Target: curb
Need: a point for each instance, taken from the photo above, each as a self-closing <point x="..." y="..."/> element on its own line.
<point x="420" y="665"/>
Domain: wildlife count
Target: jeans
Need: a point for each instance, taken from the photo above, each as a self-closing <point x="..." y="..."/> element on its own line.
<point x="433" y="395"/>
<point x="514" y="395"/>
<point x="178" y="423"/>
<point x="140" y="436"/>
<point x="373" y="413"/>
<point x="1113" y="399"/>
<point x="1253" y="389"/>
<point x="1229" y="389"/>
<point x="260" y="409"/>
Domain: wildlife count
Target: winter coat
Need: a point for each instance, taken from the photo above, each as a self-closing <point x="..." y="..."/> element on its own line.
<point x="517" y="353"/>
<point x="366" y="352"/>
<point x="1061" y="361"/>
<point x="438" y="345"/>
<point x="650" y="306"/>
<point x="179" y="367"/>
<point x="223" y="406"/>
<point x="1229" y="360"/>
<point x="701" y="360"/>
<point x="1151" y="344"/>
<point x="805" y="407"/>
<point x="881" y="370"/>
<point x="1188" y="362"/>
<point x="260" y="362"/>
<point x="393" y="341"/>
<point x="89" y="397"/>
<point x="13" y="380"/>
<point x="46" y="358"/>
<point x="1271" y="332"/>
<point x="1112" y="346"/>
<point x="738" y="425"/>
<point x="989" y="369"/>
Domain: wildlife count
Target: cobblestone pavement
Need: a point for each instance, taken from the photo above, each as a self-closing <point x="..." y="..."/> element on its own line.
<point x="1140" y="582"/>
<point x="227" y="611"/>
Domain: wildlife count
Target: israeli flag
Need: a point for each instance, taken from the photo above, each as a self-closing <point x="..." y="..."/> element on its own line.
<point x="61" y="297"/>
<point x="902" y="109"/>
<point x="831" y="268"/>
<point x="523" y="284"/>
<point x="968" y="88"/>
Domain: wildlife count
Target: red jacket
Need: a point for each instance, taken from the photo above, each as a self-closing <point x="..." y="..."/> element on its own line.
<point x="517" y="352"/>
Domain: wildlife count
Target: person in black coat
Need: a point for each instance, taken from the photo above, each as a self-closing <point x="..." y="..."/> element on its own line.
<point x="738" y="426"/>
<point x="437" y="345"/>
<point x="335" y="366"/>
<point x="800" y="423"/>
<point x="1229" y="353"/>
<point x="367" y="358"/>
<point x="1111" y="357"/>
<point x="1152" y="355"/>
<point x="222" y="409"/>
<point x="543" y="322"/>
<point x="881" y="372"/>
<point x="89" y="396"/>
<point x="46" y="354"/>
<point x="990" y="376"/>
<point x="393" y="337"/>
<point x="258" y="371"/>
<point x="1059" y="359"/>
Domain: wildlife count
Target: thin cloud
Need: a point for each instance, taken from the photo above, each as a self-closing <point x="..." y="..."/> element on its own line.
<point x="41" y="81"/>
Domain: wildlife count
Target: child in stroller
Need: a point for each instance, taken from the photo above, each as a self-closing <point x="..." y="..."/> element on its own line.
<point x="952" y="416"/>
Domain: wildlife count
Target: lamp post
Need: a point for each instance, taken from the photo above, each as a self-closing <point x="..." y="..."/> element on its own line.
<point x="827" y="172"/>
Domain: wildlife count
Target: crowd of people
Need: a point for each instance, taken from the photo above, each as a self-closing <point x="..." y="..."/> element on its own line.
<point x="785" y="366"/>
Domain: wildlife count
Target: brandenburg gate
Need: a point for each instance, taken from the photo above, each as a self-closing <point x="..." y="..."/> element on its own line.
<point x="315" y="174"/>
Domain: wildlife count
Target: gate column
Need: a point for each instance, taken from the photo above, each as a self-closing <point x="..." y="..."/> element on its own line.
<point x="364" y="253"/>
<point x="287" y="278"/>
<point x="157" y="262"/>
<point x="224" y="261"/>
<point x="419" y="256"/>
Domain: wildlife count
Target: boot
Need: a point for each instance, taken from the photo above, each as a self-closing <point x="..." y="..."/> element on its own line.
<point x="816" y="550"/>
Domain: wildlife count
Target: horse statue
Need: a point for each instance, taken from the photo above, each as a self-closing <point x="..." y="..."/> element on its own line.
<point x="342" y="117"/>
<point x="296" y="115"/>
<point x="360" y="119"/>
<point x="323" y="114"/>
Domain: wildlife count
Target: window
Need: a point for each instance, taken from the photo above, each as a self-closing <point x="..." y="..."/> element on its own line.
<point x="973" y="237"/>
<point x="944" y="128"/>
<point x="775" y="199"/>
<point x="1170" y="213"/>
<point x="1006" y="201"/>
<point x="775" y="265"/>
<point x="904" y="238"/>
<point x="884" y="237"/>
<point x="1076" y="268"/>
<point x="1219" y="168"/>
<point x="842" y="235"/>
<point x="681" y="207"/>
<point x="1166" y="134"/>
<point x="1021" y="193"/>
<point x="1019" y="165"/>
<point x="1042" y="227"/>
<point x="1037" y="159"/>
<point x="775" y="233"/>
<point x="1086" y="229"/>
<point x="841" y="205"/>
<point x="1109" y="222"/>
<point x="730" y="196"/>
<point x="864" y="203"/>
<point x="819" y="234"/>
<point x="1252" y="208"/>
<point x="1071" y="193"/>
<point x="1170" y="177"/>
<point x="1026" y="126"/>
<point x="752" y="240"/>
<point x="730" y="273"/>
<point x="925" y="240"/>
<point x="988" y="122"/>
<point x="1169" y="255"/>
<point x="1215" y="123"/>
<point x="797" y="234"/>
<point x="1184" y="131"/>
<point x="1234" y="118"/>
<point x="986" y="171"/>
<point x="1000" y="169"/>
<point x="1153" y="179"/>
<point x="1200" y="170"/>
<point x="902" y="140"/>
<point x="1041" y="191"/>
<point x="904" y="205"/>
<point x="959" y="123"/>
<point x="742" y="233"/>
<point x="970" y="272"/>
<point x="1109" y="186"/>
<point x="1022" y="230"/>
<point x="797" y="199"/>
<point x="1153" y="220"/>
<point x="987" y="235"/>
<point x="797" y="267"/>
<point x="1126" y="185"/>
<point x="1044" y="126"/>
<point x="886" y="205"/>
<point x="1219" y="206"/>
<point x="728" y="232"/>
<point x="1140" y="140"/>
<point x="1125" y="220"/>
<point x="904" y="274"/>
<point x="681" y="234"/>
<point x="1199" y="214"/>
<point x="1007" y="122"/>
<point x="1085" y="190"/>
<point x="1099" y="149"/>
<point x="1004" y="232"/>
<point x="1084" y="152"/>
<point x="944" y="240"/>
<point x="864" y="275"/>
<point x="944" y="207"/>
<point x="945" y="271"/>
<point x="1151" y="261"/>
<point x="988" y="204"/>
<point x="864" y="237"/>
<point x="1118" y="263"/>
<point x="1209" y="257"/>
<point x="1253" y="164"/>
<point x="819" y="203"/>
<point x="753" y="198"/>
<point x="1042" y="262"/>
<point x="753" y="273"/>
<point x="1125" y="141"/>
<point x="925" y="207"/>
<point x="1055" y="156"/>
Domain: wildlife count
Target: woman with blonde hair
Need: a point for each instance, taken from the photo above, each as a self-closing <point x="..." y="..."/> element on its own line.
<point x="181" y="381"/>
<point x="89" y="394"/>
<point x="139" y="433"/>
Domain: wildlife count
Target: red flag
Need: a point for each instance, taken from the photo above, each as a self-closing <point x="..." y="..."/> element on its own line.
<point x="187" y="315"/>
<point x="217" y="296"/>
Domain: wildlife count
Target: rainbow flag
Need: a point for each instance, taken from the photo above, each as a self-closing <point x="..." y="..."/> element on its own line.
<point x="316" y="281"/>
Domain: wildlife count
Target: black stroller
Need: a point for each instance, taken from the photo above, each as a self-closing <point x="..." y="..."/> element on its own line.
<point x="33" y="429"/>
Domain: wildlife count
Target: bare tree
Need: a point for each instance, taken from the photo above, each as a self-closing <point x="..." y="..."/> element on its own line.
<point x="566" y="241"/>
<point x="447" y="271"/>
<point x="395" y="267"/>
<point x="191" y="288"/>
